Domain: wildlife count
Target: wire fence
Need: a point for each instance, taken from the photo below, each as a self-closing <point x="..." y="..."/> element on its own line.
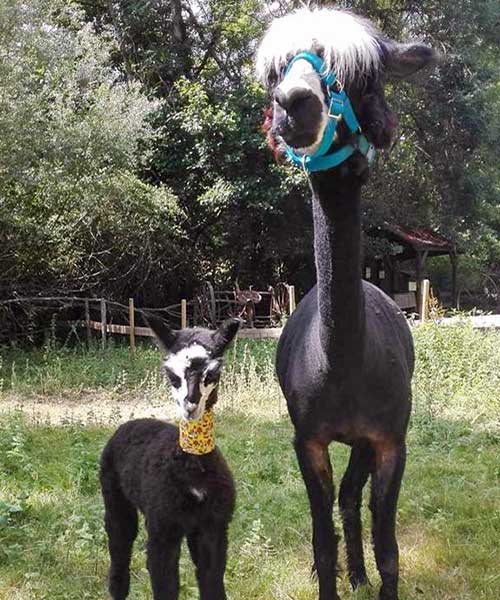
<point x="33" y="318"/>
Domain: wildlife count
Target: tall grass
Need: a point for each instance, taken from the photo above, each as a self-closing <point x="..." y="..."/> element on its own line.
<point x="457" y="374"/>
<point x="52" y="543"/>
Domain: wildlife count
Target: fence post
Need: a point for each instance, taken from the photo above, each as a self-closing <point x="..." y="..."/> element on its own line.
<point x="424" y="300"/>
<point x="131" y="322"/>
<point x="183" y="314"/>
<point x="103" y="323"/>
<point x="291" y="298"/>
<point x="87" y="321"/>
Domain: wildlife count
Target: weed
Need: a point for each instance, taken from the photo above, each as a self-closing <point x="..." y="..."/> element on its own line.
<point x="14" y="445"/>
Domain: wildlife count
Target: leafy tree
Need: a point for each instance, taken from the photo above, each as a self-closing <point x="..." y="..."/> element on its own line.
<point x="73" y="213"/>
<point x="131" y="158"/>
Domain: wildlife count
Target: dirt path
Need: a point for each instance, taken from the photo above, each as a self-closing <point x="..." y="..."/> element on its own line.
<point x="97" y="407"/>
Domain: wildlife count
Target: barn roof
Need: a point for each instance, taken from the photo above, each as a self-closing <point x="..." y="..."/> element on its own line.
<point x="417" y="239"/>
<point x="420" y="238"/>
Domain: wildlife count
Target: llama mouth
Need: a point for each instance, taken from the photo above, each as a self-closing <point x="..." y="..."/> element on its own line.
<point x="301" y="140"/>
<point x="191" y="411"/>
<point x="190" y="414"/>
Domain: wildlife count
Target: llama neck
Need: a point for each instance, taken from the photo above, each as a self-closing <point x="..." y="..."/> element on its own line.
<point x="337" y="249"/>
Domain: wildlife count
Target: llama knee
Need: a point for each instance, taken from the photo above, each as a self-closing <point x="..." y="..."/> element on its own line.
<point x="349" y="499"/>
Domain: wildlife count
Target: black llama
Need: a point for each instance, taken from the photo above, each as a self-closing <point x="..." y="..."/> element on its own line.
<point x="177" y="478"/>
<point x="345" y="358"/>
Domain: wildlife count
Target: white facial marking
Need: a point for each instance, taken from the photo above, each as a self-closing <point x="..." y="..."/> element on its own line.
<point x="348" y="43"/>
<point x="302" y="75"/>
<point x="181" y="360"/>
<point x="200" y="494"/>
<point x="178" y="363"/>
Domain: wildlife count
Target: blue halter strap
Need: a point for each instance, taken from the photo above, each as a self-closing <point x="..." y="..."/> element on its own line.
<point x="339" y="107"/>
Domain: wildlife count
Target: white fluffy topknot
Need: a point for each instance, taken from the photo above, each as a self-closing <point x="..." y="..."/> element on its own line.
<point x="348" y="43"/>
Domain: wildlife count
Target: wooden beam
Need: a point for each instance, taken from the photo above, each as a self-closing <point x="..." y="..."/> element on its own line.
<point x="420" y="266"/>
<point x="424" y="300"/>
<point x="87" y="321"/>
<point x="454" y="264"/>
<point x="480" y="322"/>
<point x="291" y="298"/>
<point x="183" y="314"/>
<point x="131" y="320"/>
<point x="103" y="323"/>
<point x="260" y="333"/>
<point x="267" y="332"/>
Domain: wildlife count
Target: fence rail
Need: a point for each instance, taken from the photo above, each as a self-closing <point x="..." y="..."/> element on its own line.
<point x="253" y="333"/>
<point x="477" y="322"/>
<point x="179" y="314"/>
<point x="208" y="308"/>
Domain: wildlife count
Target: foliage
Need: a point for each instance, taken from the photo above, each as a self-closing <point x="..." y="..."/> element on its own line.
<point x="457" y="372"/>
<point x="443" y="163"/>
<point x="144" y="127"/>
<point x="230" y="190"/>
<point x="73" y="213"/>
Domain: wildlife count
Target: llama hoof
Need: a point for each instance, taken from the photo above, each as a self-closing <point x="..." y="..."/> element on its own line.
<point x="388" y="593"/>
<point x="358" y="580"/>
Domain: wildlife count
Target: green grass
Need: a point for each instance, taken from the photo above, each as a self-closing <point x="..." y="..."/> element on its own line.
<point x="50" y="370"/>
<point x="52" y="544"/>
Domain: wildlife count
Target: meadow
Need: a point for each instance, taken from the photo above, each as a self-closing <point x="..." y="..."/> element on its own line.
<point x="52" y="543"/>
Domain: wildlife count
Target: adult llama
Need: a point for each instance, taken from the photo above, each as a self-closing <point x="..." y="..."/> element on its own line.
<point x="345" y="358"/>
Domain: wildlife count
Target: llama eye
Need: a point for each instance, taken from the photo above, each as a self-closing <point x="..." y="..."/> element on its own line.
<point x="210" y="378"/>
<point x="212" y="371"/>
<point x="175" y="381"/>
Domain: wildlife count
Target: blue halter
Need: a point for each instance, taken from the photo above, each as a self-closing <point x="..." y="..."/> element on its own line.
<point x="339" y="107"/>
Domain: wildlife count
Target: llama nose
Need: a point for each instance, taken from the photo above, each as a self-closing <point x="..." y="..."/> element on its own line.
<point x="291" y="98"/>
<point x="281" y="98"/>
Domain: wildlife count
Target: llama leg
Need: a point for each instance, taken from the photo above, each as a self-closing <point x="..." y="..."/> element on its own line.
<point x="163" y="551"/>
<point x="316" y="471"/>
<point x="351" y="489"/>
<point x="208" y="548"/>
<point x="386" y="481"/>
<point x="120" y="521"/>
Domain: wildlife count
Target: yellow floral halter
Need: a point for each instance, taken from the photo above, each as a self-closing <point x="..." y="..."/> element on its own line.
<point x="197" y="437"/>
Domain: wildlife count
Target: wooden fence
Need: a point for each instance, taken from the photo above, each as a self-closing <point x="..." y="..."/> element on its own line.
<point x="481" y="322"/>
<point x="182" y="314"/>
<point x="179" y="312"/>
<point x="132" y="330"/>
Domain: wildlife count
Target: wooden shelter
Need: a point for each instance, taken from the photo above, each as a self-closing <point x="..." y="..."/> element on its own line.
<point x="399" y="272"/>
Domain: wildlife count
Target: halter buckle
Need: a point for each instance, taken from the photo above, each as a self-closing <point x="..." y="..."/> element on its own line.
<point x="339" y="85"/>
<point x="336" y="108"/>
<point x="336" y="117"/>
<point x="370" y="155"/>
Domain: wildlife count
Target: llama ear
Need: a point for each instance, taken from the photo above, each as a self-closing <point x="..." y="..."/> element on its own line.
<point x="225" y="334"/>
<point x="403" y="60"/>
<point x="164" y="335"/>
